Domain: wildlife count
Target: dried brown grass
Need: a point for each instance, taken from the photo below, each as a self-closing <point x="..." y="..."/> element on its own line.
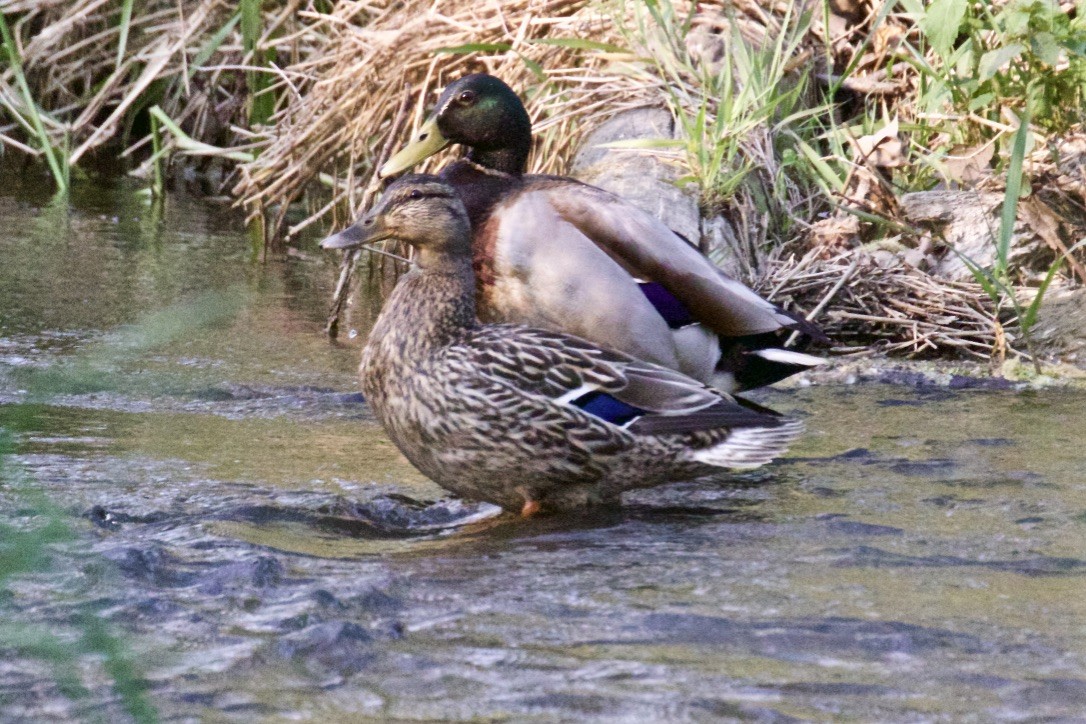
<point x="375" y="53"/>
<point x="91" y="94"/>
<point x="342" y="75"/>
<point x="880" y="301"/>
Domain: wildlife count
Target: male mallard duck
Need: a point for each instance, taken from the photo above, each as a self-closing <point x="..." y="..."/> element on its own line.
<point x="527" y="418"/>
<point x="557" y="253"/>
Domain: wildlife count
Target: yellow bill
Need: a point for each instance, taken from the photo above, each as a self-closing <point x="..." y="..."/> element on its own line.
<point x="426" y="143"/>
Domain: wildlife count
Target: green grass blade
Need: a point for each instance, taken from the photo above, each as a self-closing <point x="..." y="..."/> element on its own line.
<point x="190" y="145"/>
<point x="58" y="169"/>
<point x="31" y="551"/>
<point x="474" y="48"/>
<point x="261" y="100"/>
<point x="158" y="185"/>
<point x="580" y="44"/>
<point x="986" y="279"/>
<point x="1010" y="197"/>
<point x="127" y="681"/>
<point x="826" y="174"/>
<point x="1029" y="317"/>
<point x="126" y="23"/>
<point x="213" y="43"/>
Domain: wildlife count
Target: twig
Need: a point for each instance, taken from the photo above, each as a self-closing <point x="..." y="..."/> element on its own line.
<point x="350" y="257"/>
<point x="826" y="299"/>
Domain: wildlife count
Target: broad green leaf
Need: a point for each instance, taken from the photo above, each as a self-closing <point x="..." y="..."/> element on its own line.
<point x="941" y="23"/>
<point x="981" y="101"/>
<point x="993" y="60"/>
<point x="1046" y="47"/>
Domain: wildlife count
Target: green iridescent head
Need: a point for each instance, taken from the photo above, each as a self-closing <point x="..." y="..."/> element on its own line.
<point x="480" y="112"/>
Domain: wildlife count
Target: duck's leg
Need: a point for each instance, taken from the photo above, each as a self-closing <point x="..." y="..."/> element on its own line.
<point x="531" y="505"/>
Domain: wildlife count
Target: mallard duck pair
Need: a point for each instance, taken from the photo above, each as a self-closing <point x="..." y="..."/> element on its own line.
<point x="553" y="252"/>
<point x="520" y="416"/>
<point x="612" y="396"/>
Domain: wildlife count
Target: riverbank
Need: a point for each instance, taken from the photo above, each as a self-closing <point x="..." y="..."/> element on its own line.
<point x="853" y="165"/>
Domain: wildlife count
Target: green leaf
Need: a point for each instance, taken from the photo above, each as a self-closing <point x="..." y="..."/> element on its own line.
<point x="473" y="48"/>
<point x="993" y="60"/>
<point x="1016" y="19"/>
<point x="534" y="67"/>
<point x="213" y="43"/>
<point x="942" y="22"/>
<point x="1029" y="318"/>
<point x="645" y="143"/>
<point x="827" y="175"/>
<point x="126" y="23"/>
<point x="1010" y="197"/>
<point x="982" y="276"/>
<point x="579" y="44"/>
<point x="982" y="100"/>
<point x="1046" y="47"/>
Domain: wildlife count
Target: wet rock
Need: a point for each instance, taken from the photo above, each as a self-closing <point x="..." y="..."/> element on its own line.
<point x="152" y="609"/>
<point x="859" y="453"/>
<point x="800" y="638"/>
<point x="637" y="175"/>
<point x="409" y="516"/>
<point x="924" y="468"/>
<point x="376" y="600"/>
<point x="154" y="566"/>
<point x="1035" y="566"/>
<point x="649" y="182"/>
<point x="341" y="646"/>
<point x="992" y="442"/>
<point x="838" y="524"/>
<point x="1061" y="325"/>
<point x="113" y="520"/>
<point x="968" y="221"/>
<point x="264" y="572"/>
<point x="964" y="382"/>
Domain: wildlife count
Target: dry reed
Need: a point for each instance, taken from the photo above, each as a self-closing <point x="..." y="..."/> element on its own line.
<point x="341" y="71"/>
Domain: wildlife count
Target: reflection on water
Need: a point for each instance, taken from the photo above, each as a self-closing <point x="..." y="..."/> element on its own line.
<point x="259" y="549"/>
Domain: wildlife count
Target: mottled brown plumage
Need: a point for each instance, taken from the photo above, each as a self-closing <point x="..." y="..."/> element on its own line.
<point x="528" y="418"/>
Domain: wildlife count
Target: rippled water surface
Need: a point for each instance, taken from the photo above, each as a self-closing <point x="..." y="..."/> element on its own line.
<point x="201" y="521"/>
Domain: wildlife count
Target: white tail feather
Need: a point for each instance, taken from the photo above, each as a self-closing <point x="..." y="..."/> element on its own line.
<point x="750" y="447"/>
<point x="788" y="357"/>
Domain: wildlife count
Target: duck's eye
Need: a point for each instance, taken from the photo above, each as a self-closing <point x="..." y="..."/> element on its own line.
<point x="415" y="194"/>
<point x="466" y="98"/>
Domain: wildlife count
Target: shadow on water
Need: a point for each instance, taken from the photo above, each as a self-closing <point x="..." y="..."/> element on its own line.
<point x="200" y="520"/>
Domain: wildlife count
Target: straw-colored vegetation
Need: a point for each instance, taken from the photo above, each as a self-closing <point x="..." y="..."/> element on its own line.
<point x="804" y="125"/>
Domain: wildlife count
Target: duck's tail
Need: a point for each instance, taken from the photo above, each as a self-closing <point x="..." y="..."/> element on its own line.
<point x="747" y="363"/>
<point x="750" y="447"/>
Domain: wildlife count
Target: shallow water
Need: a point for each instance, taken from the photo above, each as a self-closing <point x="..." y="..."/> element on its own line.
<point x="257" y="548"/>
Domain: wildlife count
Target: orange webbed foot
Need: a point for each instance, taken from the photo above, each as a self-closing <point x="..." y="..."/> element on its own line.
<point x="531" y="505"/>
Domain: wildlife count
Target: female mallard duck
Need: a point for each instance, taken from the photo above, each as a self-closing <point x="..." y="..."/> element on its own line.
<point x="526" y="418"/>
<point x="556" y="253"/>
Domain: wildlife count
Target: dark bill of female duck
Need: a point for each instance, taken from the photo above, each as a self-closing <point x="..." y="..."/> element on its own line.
<point x="367" y="230"/>
<point x="352" y="237"/>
